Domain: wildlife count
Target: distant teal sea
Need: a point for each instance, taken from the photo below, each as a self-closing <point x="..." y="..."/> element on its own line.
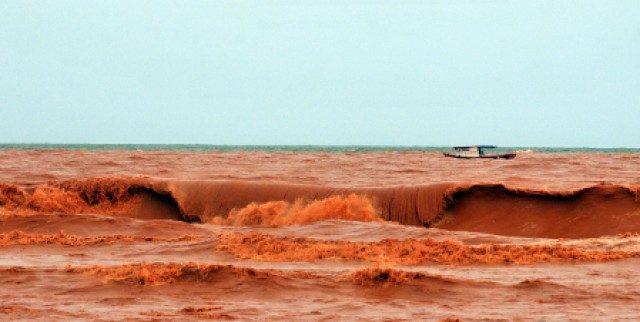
<point x="284" y="148"/>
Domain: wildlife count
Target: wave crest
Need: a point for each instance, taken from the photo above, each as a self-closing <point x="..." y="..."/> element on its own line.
<point x="489" y="208"/>
<point x="165" y="273"/>
<point x="384" y="276"/>
<point x="404" y="252"/>
<point x="97" y="195"/>
<point x="18" y="237"/>
<point x="282" y="213"/>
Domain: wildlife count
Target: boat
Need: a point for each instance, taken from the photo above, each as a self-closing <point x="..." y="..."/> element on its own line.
<point x="478" y="152"/>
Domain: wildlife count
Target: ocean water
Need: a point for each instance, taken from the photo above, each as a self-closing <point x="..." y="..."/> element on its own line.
<point x="193" y="232"/>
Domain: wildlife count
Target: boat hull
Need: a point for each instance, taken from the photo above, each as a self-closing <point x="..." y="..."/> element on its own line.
<point x="506" y="156"/>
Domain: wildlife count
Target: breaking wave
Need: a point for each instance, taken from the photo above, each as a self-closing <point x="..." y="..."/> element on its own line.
<point x="157" y="274"/>
<point x="388" y="277"/>
<point x="169" y="273"/>
<point x="491" y="208"/>
<point x="17" y="237"/>
<point x="263" y="247"/>
<point x="282" y="213"/>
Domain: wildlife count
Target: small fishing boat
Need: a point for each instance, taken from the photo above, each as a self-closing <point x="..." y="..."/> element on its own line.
<point x="478" y="152"/>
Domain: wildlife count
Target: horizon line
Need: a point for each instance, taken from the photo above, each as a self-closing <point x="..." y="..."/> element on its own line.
<point x="304" y="145"/>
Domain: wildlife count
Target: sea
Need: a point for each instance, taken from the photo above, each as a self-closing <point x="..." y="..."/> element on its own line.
<point x="317" y="233"/>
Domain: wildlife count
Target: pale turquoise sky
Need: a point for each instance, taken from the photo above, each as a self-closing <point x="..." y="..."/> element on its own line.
<point x="512" y="73"/>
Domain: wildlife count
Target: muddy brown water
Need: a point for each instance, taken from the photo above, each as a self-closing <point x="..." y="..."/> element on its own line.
<point x="167" y="235"/>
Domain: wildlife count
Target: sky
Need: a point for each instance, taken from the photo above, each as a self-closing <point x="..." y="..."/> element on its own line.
<point x="429" y="73"/>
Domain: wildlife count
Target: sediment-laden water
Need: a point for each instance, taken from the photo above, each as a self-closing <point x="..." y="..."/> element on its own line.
<point x="317" y="235"/>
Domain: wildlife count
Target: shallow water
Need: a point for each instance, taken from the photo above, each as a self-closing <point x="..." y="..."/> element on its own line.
<point x="281" y="235"/>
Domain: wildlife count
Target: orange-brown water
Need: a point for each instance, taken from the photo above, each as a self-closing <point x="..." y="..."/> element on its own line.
<point x="161" y="235"/>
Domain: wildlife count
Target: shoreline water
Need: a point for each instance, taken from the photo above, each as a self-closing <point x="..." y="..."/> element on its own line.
<point x="415" y="235"/>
